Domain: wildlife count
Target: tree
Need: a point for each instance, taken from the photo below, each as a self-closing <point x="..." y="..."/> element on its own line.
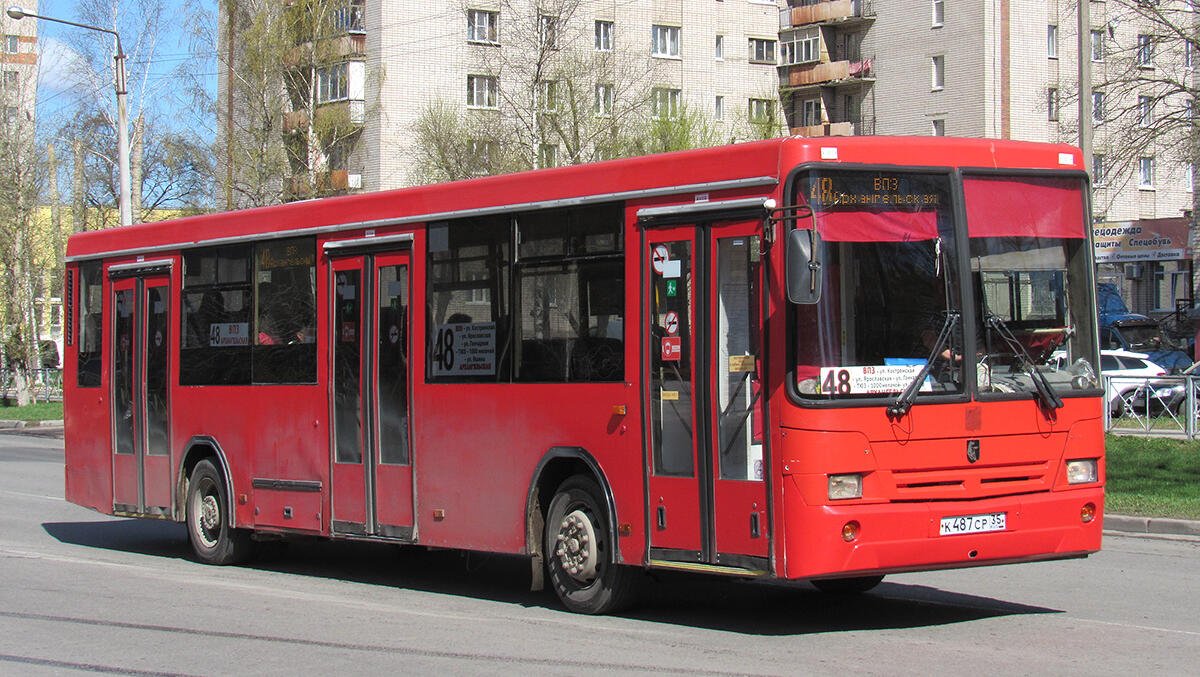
<point x="1146" y="87"/>
<point x="292" y="100"/>
<point x="22" y="178"/>
<point x="169" y="160"/>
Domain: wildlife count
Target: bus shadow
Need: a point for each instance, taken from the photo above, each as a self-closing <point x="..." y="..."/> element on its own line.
<point x="670" y="598"/>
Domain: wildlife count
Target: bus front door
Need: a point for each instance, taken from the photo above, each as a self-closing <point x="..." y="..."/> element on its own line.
<point x="139" y="380"/>
<point x="372" y="454"/>
<point x="704" y="300"/>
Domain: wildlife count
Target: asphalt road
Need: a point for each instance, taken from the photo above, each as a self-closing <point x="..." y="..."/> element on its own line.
<point x="81" y="592"/>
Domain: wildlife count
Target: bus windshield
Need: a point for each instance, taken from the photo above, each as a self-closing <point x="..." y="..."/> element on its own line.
<point x="1030" y="277"/>
<point x="889" y="304"/>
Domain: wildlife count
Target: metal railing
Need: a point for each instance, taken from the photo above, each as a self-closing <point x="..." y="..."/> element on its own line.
<point x="1155" y="405"/>
<point x="46" y="385"/>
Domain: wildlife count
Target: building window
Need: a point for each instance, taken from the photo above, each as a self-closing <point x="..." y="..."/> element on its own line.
<point x="1146" y="172"/>
<point x="604" y="36"/>
<point x="1187" y="53"/>
<point x="762" y="110"/>
<point x="1172" y="283"/>
<point x="938" y="128"/>
<point x="804" y="46"/>
<point x="719" y="108"/>
<point x="664" y="41"/>
<point x="719" y="48"/>
<point x="1097" y="107"/>
<point x="332" y="83"/>
<point x="604" y="99"/>
<point x="1188" y="176"/>
<point x="548" y="31"/>
<point x="549" y="91"/>
<point x="1145" y="51"/>
<point x="762" y="51"/>
<point x="481" y="156"/>
<point x="810" y="114"/>
<point x="1098" y="169"/>
<point x="939" y="72"/>
<point x="1052" y="104"/>
<point x="12" y="44"/>
<point x="664" y="103"/>
<point x="481" y="91"/>
<point x="1145" y="108"/>
<point x="939" y="13"/>
<point x="1097" y="45"/>
<point x="483" y="26"/>
<point x="1052" y="41"/>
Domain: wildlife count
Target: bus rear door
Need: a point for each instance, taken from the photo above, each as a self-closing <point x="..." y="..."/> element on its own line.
<point x="371" y="446"/>
<point x="708" y="498"/>
<point x="141" y="302"/>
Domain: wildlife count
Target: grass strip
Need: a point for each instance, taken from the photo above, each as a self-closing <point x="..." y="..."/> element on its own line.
<point x="41" y="411"/>
<point x="1153" y="477"/>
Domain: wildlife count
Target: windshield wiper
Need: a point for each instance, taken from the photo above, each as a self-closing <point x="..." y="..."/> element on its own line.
<point x="905" y="401"/>
<point x="1045" y="391"/>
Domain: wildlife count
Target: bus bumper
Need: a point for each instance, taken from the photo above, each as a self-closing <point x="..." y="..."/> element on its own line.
<point x="896" y="537"/>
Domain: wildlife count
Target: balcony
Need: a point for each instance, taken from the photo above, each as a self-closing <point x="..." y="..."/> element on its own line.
<point x="342" y="47"/>
<point x="847" y="12"/>
<point x="827" y="74"/>
<point x="332" y="182"/>
<point x="848" y="128"/>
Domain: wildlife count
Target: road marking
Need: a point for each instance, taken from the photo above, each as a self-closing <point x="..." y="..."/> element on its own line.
<point x="18" y="493"/>
<point x="1151" y="628"/>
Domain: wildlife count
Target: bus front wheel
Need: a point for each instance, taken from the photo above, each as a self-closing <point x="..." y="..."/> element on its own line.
<point x="579" y="554"/>
<point x="213" y="540"/>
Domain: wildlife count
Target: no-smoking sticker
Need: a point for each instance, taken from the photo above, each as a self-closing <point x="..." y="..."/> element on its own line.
<point x="671" y="323"/>
<point x="659" y="258"/>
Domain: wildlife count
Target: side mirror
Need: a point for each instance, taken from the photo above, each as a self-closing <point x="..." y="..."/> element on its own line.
<point x="803" y="267"/>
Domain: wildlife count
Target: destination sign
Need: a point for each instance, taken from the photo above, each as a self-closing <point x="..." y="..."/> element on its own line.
<point x="880" y="190"/>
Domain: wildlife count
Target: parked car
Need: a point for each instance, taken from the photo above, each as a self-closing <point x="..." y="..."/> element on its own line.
<point x="1168" y="396"/>
<point x="1125" y="373"/>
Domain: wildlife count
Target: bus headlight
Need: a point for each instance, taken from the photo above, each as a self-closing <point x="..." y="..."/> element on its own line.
<point x="1081" y="471"/>
<point x="845" y="486"/>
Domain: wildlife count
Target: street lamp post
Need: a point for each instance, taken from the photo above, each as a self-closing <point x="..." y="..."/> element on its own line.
<point x="123" y="200"/>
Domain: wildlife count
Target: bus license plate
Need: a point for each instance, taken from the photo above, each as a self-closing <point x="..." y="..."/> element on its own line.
<point x="973" y="524"/>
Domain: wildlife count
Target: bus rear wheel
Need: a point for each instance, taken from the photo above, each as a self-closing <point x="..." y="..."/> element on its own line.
<point x="579" y="553"/>
<point x="847" y="586"/>
<point x="213" y="540"/>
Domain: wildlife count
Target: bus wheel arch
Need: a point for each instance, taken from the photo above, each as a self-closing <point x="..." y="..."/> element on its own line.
<point x="199" y="448"/>
<point x="557" y="465"/>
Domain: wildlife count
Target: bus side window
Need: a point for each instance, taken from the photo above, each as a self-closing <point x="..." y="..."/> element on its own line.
<point x="91" y="325"/>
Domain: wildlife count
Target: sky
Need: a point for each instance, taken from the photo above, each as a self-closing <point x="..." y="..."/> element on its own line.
<point x="60" y="91"/>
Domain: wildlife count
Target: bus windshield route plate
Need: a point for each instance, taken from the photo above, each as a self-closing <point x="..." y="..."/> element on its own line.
<point x="973" y="524"/>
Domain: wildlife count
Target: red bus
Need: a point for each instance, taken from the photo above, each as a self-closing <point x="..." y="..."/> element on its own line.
<point x="804" y="359"/>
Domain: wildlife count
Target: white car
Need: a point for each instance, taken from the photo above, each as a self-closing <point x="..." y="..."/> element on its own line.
<point x="1124" y="373"/>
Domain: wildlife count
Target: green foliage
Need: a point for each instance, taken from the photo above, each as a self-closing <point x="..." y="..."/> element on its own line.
<point x="1153" y="476"/>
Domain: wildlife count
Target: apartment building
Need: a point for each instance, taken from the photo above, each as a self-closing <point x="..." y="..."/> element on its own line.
<point x="505" y="68"/>
<point x="1008" y="69"/>
<point x="18" y="68"/>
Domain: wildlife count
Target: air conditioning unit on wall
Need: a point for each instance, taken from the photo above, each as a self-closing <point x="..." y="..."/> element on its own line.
<point x="1133" y="271"/>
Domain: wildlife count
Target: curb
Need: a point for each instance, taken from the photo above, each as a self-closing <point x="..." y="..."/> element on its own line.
<point x="4" y="425"/>
<point x="1163" y="526"/>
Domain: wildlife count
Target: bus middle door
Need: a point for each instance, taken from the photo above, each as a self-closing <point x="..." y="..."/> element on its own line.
<point x="703" y="295"/>
<point x="140" y="409"/>
<point x="370" y="346"/>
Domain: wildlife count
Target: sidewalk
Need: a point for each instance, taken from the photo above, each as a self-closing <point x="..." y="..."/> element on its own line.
<point x="1150" y="526"/>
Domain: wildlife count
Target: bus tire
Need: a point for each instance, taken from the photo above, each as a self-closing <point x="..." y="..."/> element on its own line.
<point x="847" y="586"/>
<point x="579" y="555"/>
<point x="213" y="540"/>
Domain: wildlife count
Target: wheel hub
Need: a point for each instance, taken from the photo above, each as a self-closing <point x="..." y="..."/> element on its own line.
<point x="210" y="513"/>
<point x="576" y="549"/>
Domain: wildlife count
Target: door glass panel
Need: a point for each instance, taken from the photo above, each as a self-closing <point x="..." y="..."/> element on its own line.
<point x="156" y="371"/>
<point x="670" y="358"/>
<point x="739" y="420"/>
<point x="347" y="361"/>
<point x="123" y="371"/>
<point x="393" y="364"/>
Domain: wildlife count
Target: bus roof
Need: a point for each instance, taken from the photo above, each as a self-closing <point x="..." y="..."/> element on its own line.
<point x="758" y="163"/>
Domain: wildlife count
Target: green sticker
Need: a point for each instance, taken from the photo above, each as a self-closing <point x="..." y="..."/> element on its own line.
<point x="672" y="287"/>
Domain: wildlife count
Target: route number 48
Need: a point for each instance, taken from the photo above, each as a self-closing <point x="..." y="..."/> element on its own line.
<point x="836" y="381"/>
